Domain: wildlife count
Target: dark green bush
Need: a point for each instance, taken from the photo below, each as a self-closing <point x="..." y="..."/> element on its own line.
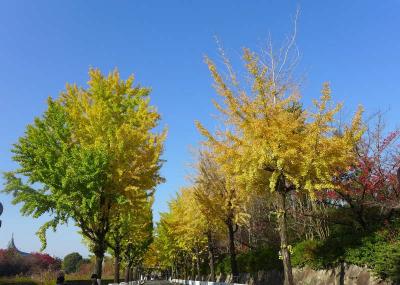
<point x="378" y="250"/>
<point x="252" y="261"/>
<point x="257" y="260"/>
<point x="72" y="262"/>
<point x="223" y="266"/>
<point x="379" y="254"/>
<point x="306" y="253"/>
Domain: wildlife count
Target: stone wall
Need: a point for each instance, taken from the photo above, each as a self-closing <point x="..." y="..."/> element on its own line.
<point x="341" y="275"/>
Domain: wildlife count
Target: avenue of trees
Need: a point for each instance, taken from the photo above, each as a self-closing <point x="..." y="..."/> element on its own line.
<point x="93" y="158"/>
<point x="278" y="184"/>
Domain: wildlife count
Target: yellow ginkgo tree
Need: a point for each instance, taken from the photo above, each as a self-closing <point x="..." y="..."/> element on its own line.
<point x="220" y="202"/>
<point x="188" y="227"/>
<point x="269" y="141"/>
<point x="92" y="148"/>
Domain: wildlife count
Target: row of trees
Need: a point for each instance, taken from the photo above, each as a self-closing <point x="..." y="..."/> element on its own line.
<point x="93" y="158"/>
<point x="275" y="172"/>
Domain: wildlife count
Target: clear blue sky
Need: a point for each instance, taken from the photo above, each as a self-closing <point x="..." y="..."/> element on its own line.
<point x="44" y="44"/>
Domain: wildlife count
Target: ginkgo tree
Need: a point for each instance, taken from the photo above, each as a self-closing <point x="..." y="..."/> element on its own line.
<point x="166" y="247"/>
<point x="205" y="193"/>
<point x="129" y="223"/>
<point x="137" y="239"/>
<point x="183" y="235"/>
<point x="91" y="148"/>
<point x="221" y="201"/>
<point x="188" y="227"/>
<point x="269" y="141"/>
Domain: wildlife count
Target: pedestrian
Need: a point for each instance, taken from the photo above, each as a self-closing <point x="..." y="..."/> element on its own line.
<point x="60" y="278"/>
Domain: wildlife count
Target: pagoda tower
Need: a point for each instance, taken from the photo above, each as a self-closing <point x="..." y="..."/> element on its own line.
<point x="12" y="246"/>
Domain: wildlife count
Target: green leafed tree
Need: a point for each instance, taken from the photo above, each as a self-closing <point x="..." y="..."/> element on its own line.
<point x="71" y="262"/>
<point x="92" y="148"/>
<point x="130" y="232"/>
<point x="137" y="242"/>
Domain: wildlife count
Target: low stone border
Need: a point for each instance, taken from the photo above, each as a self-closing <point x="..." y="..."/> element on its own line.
<point x="193" y="282"/>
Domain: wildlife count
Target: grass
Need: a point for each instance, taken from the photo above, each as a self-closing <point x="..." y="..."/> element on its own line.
<point x="17" y="280"/>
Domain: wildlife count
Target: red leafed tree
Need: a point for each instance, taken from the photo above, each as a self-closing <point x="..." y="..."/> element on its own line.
<point x="12" y="263"/>
<point x="372" y="184"/>
<point x="45" y="261"/>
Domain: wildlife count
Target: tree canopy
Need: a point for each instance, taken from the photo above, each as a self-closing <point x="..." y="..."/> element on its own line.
<point x="92" y="148"/>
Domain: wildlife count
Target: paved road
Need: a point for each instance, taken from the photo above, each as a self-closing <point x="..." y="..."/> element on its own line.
<point x="157" y="282"/>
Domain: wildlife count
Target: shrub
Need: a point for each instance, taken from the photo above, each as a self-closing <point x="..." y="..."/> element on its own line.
<point x="72" y="262"/>
<point x="223" y="266"/>
<point x="256" y="260"/>
<point x="382" y="256"/>
<point x="378" y="250"/>
<point x="252" y="261"/>
<point x="306" y="253"/>
<point x="12" y="263"/>
<point x="38" y="262"/>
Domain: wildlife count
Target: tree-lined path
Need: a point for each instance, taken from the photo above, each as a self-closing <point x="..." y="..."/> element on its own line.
<point x="226" y="158"/>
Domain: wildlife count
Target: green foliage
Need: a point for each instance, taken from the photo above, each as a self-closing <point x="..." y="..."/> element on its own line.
<point x="137" y="232"/>
<point x="378" y="250"/>
<point x="306" y="253"/>
<point x="71" y="262"/>
<point x="17" y="281"/>
<point x="223" y="266"/>
<point x="70" y="175"/>
<point x="257" y="260"/>
<point x="92" y="148"/>
<point x="262" y="259"/>
<point x="379" y="254"/>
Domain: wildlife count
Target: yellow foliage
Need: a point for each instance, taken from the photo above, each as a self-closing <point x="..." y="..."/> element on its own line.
<point x="268" y="134"/>
<point x="115" y="116"/>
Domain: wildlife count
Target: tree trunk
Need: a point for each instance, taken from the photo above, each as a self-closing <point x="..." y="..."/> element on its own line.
<point x="175" y="272"/>
<point x="232" y="250"/>
<point x="282" y="223"/>
<point x="127" y="269"/>
<point x="198" y="266"/>
<point x="99" y="265"/>
<point x="116" y="266"/>
<point x="192" y="271"/>
<point x="186" y="269"/>
<point x="211" y="255"/>
<point x="361" y="218"/>
<point x="134" y="273"/>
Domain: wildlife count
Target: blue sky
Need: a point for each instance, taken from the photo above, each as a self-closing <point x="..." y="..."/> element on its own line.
<point x="354" y="45"/>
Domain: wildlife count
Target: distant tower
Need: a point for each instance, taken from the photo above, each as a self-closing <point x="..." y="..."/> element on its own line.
<point x="11" y="246"/>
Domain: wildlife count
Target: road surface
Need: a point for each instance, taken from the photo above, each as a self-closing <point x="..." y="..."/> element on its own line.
<point x="157" y="282"/>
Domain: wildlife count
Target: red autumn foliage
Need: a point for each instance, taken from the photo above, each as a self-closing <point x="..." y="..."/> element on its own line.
<point x="373" y="181"/>
<point x="12" y="263"/>
<point x="44" y="261"/>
